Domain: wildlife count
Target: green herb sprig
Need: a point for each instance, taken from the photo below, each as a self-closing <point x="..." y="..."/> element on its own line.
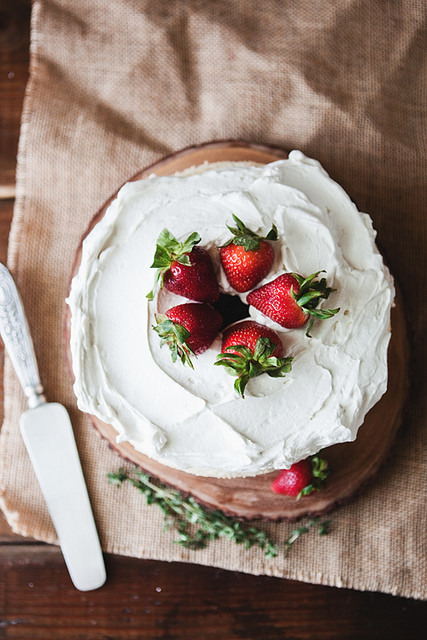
<point x="322" y="529"/>
<point x="183" y="512"/>
<point x="197" y="526"/>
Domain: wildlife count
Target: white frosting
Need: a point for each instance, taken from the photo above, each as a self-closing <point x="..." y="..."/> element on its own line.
<point x="194" y="420"/>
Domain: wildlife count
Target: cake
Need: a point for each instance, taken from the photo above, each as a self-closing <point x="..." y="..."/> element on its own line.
<point x="192" y="420"/>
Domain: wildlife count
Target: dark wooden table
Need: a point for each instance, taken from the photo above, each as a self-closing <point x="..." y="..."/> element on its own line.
<point x="148" y="599"/>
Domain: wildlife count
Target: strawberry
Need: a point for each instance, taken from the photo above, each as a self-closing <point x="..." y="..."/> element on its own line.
<point x="184" y="269"/>
<point x="290" y="300"/>
<point x="246" y="258"/>
<point x="249" y="349"/>
<point x="302" y="478"/>
<point x="188" y="329"/>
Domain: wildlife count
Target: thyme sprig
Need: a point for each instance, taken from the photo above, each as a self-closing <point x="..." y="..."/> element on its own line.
<point x="322" y="529"/>
<point x="195" y="525"/>
<point x="184" y="514"/>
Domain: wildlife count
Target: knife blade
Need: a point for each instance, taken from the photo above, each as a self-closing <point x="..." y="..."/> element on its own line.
<point x="48" y="436"/>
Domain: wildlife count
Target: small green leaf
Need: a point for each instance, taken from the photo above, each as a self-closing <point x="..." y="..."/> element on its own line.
<point x="279" y="369"/>
<point x="161" y="258"/>
<point x="323" y="314"/>
<point x="184" y="259"/>
<point x="310" y="488"/>
<point x="190" y="242"/>
<point x="324" y="528"/>
<point x="272" y="234"/>
<point x="167" y="240"/>
<point x="264" y="347"/>
<point x="309" y="297"/>
<point x="240" y="384"/>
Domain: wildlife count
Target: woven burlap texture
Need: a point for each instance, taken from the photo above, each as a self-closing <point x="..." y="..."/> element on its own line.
<point x="116" y="85"/>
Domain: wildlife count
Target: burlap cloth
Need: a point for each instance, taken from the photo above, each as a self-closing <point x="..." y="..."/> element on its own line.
<point x="116" y="85"/>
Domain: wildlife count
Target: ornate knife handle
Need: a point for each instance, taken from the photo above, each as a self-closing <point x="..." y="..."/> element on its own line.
<point x="15" y="333"/>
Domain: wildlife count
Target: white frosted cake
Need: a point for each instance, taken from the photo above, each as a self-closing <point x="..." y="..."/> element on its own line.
<point x="192" y="419"/>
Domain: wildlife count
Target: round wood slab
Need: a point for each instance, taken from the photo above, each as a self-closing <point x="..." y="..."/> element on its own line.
<point x="352" y="464"/>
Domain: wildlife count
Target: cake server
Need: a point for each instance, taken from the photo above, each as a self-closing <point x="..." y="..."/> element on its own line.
<point x="48" y="436"/>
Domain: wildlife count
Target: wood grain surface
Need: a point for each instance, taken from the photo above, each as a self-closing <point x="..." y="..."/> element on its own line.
<point x="149" y="599"/>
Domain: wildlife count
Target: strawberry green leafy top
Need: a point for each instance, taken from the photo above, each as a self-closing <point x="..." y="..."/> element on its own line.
<point x="310" y="293"/>
<point x="175" y="336"/>
<point x="169" y="250"/>
<point x="246" y="238"/>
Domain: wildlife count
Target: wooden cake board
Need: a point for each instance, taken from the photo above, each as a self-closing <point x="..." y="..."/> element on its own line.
<point x="352" y="464"/>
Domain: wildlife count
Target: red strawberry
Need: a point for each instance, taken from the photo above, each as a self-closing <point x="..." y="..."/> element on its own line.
<point x="246" y="258"/>
<point x="250" y="349"/>
<point x="290" y="300"/>
<point x="188" y="329"/>
<point x="302" y="478"/>
<point x="185" y="269"/>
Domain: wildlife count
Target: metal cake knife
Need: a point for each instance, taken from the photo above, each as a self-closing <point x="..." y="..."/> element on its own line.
<point x="48" y="435"/>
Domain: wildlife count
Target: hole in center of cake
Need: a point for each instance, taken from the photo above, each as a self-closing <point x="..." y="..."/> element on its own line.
<point x="231" y="308"/>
